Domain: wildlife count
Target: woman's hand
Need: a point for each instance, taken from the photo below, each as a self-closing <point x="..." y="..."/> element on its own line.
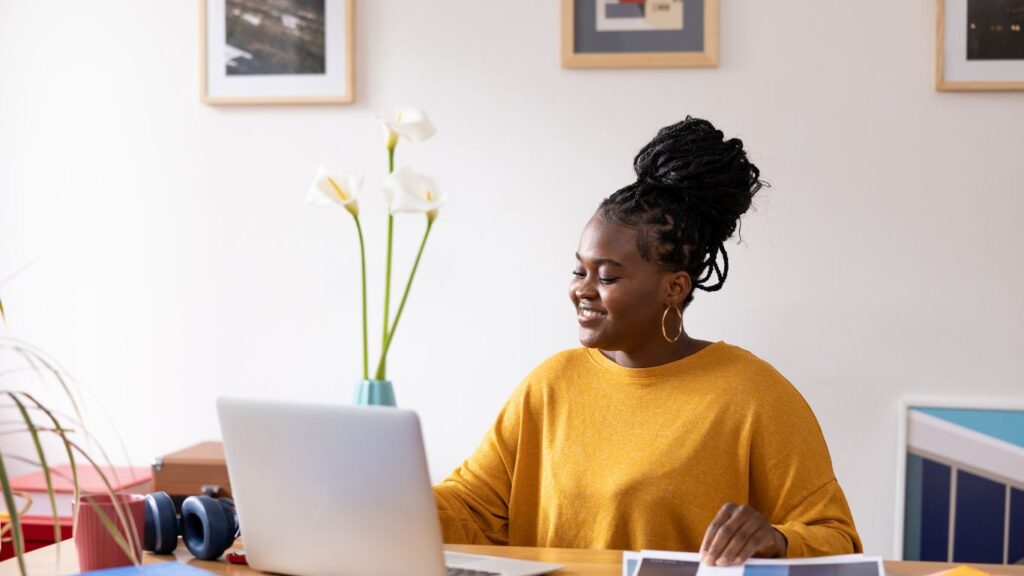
<point x="737" y="533"/>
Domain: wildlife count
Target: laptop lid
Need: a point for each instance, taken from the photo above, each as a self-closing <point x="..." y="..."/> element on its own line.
<point x="331" y="490"/>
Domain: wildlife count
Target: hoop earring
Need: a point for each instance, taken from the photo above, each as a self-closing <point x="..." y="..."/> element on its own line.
<point x="664" y="315"/>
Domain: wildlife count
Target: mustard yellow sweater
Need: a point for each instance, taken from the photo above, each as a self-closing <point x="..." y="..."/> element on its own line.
<point x="588" y="454"/>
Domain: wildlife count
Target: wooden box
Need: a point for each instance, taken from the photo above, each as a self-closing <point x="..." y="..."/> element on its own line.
<point x="198" y="469"/>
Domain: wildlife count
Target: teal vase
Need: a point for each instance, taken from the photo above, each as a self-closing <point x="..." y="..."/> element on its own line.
<point x="374" y="393"/>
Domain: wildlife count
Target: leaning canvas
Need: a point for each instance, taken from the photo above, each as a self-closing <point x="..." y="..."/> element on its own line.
<point x="962" y="483"/>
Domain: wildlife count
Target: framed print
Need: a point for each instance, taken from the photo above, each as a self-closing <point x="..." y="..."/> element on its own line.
<point x="639" y="33"/>
<point x="961" y="482"/>
<point x="980" y="45"/>
<point x="276" y="51"/>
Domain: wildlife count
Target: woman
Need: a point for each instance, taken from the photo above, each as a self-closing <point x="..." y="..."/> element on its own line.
<point x="646" y="438"/>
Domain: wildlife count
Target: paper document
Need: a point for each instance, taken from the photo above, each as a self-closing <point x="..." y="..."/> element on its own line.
<point x="657" y="563"/>
<point x="630" y="560"/>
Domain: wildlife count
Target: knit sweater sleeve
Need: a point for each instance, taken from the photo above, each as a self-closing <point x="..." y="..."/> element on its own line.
<point x="792" y="482"/>
<point x="473" y="502"/>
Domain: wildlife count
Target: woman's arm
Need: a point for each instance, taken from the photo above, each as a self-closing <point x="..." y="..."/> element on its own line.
<point x="473" y="501"/>
<point x="820" y="525"/>
<point x="792" y="482"/>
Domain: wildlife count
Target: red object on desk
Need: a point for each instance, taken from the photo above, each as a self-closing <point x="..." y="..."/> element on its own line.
<point x="121" y="478"/>
<point x="37" y="524"/>
<point x="38" y="532"/>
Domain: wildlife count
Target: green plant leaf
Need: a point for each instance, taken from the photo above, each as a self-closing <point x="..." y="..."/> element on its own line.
<point x="42" y="464"/>
<point x="19" y="550"/>
<point x="62" y="432"/>
<point x="35" y="357"/>
<point x="127" y="545"/>
<point x="127" y="521"/>
<point x="40" y="362"/>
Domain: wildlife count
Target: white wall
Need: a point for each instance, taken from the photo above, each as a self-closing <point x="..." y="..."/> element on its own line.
<point x="177" y="261"/>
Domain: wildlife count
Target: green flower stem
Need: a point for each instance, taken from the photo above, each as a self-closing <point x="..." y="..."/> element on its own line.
<point x="362" y="258"/>
<point x="387" y="285"/>
<point x="387" y="272"/>
<point x="401" y="306"/>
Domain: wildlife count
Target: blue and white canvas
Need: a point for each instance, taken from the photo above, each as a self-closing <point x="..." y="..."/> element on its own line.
<point x="964" y="485"/>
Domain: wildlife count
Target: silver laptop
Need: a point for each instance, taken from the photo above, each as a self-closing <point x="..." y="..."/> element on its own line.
<point x="339" y="490"/>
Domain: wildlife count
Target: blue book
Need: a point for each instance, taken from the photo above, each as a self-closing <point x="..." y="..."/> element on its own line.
<point x="161" y="569"/>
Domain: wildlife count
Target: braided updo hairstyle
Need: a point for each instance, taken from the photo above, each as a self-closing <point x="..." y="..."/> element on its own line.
<point x="692" y="187"/>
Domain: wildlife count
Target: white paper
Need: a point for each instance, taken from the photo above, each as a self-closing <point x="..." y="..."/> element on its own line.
<point x="630" y="562"/>
<point x="781" y="565"/>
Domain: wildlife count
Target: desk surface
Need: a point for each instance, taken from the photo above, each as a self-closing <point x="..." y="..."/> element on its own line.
<point x="577" y="562"/>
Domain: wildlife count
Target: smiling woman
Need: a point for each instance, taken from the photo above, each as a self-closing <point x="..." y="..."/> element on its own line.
<point x="646" y="438"/>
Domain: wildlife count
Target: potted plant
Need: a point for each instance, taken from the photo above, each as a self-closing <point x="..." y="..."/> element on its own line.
<point x="37" y="420"/>
<point x="405" y="190"/>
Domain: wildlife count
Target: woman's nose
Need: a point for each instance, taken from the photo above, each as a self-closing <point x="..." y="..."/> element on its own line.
<point x="583" y="289"/>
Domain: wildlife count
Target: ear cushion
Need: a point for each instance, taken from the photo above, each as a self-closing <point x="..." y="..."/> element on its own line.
<point x="161" y="526"/>
<point x="232" y="515"/>
<point x="206" y="527"/>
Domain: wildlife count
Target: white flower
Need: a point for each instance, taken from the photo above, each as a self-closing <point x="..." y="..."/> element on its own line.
<point x="331" y="189"/>
<point x="409" y="191"/>
<point x="408" y="122"/>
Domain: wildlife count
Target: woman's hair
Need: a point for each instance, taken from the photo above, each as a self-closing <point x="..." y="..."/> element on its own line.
<point x="692" y="187"/>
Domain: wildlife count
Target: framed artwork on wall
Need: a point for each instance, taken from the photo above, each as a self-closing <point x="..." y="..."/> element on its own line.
<point x="276" y="51"/>
<point x="639" y="33"/>
<point x="961" y="482"/>
<point x="980" y="45"/>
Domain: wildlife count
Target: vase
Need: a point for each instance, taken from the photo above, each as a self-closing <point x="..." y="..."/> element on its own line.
<point x="374" y="393"/>
<point x="97" y="548"/>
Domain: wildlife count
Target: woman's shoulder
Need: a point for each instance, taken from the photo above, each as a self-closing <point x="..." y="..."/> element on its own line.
<point x="742" y="360"/>
<point x="559" y="364"/>
<point x="718" y="356"/>
<point x="757" y="380"/>
<point x="548" y="375"/>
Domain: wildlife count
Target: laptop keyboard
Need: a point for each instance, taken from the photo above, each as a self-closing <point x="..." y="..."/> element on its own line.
<point x="468" y="572"/>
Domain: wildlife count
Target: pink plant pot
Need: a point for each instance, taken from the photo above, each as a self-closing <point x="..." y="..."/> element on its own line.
<point x="97" y="548"/>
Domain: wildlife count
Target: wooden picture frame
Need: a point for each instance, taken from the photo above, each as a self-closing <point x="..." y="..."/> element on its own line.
<point x="956" y="68"/>
<point x="303" y="56"/>
<point x="586" y="45"/>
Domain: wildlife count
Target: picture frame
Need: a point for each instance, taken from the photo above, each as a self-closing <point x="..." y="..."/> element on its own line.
<point x="285" y="52"/>
<point x="960" y="481"/>
<point x="979" y="46"/>
<point x="640" y="33"/>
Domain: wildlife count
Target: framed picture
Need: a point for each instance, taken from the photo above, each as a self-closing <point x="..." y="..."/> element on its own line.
<point x="961" y="482"/>
<point x="276" y="51"/>
<point x="639" y="33"/>
<point x="980" y="45"/>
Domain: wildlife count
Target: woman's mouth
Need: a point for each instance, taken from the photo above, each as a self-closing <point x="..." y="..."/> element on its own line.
<point x="589" y="315"/>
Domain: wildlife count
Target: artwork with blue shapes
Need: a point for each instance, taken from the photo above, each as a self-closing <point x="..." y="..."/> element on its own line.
<point x="964" y="492"/>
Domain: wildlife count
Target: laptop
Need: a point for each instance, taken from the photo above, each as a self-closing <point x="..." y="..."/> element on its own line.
<point x="339" y="490"/>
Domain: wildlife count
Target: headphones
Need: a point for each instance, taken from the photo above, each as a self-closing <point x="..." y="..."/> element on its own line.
<point x="208" y="525"/>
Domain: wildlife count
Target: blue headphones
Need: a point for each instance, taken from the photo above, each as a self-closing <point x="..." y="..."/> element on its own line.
<point x="208" y="525"/>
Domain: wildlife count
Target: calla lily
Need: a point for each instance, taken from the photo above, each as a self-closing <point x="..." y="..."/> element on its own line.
<point x="409" y="191"/>
<point x="335" y="189"/>
<point x="408" y="122"/>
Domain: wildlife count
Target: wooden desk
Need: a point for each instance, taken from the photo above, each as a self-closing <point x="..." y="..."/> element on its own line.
<point x="577" y="562"/>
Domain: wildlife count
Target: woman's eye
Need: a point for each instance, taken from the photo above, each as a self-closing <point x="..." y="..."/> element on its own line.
<point x="601" y="279"/>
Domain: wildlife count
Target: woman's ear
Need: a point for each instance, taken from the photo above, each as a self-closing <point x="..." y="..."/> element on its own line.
<point x="679" y="287"/>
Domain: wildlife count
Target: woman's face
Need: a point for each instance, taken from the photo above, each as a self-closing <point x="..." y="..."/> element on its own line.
<point x="620" y="297"/>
